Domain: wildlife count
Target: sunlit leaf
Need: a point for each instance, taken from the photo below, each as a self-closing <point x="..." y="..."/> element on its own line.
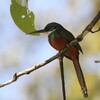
<point x="22" y="16"/>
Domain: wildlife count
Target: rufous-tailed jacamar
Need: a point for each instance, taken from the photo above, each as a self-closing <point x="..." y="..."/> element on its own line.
<point x="58" y="38"/>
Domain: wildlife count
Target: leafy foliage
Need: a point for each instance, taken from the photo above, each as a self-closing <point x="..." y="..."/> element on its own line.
<point x="22" y="17"/>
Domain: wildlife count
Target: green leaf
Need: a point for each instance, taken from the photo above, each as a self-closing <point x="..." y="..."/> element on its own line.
<point x="22" y="16"/>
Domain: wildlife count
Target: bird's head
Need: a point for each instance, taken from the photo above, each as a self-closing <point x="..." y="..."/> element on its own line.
<point x="52" y="26"/>
<point x="49" y="27"/>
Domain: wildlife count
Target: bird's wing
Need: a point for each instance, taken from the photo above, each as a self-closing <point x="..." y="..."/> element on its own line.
<point x="69" y="37"/>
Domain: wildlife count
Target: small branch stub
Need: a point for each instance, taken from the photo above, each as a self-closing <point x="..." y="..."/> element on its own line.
<point x="97" y="61"/>
<point x="95" y="31"/>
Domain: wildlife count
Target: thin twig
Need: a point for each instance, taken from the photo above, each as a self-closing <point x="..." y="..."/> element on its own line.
<point x="97" y="61"/>
<point x="78" y="39"/>
<point x="89" y="27"/>
<point x="29" y="70"/>
<point x="62" y="77"/>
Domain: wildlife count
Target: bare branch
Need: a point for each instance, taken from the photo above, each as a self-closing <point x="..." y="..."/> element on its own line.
<point x="89" y="27"/>
<point x="78" y="39"/>
<point x="29" y="70"/>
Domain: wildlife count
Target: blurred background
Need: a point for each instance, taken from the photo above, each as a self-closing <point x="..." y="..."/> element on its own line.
<point x="19" y="51"/>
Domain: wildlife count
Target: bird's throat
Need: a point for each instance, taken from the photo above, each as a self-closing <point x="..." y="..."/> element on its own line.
<point x="54" y="35"/>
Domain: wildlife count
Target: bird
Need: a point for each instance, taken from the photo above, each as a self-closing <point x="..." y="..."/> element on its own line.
<point x="58" y="38"/>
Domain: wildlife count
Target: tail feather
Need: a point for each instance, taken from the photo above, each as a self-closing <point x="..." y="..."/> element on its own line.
<point x="80" y="77"/>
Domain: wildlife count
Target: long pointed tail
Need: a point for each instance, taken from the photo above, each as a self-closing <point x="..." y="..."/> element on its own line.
<point x="80" y="77"/>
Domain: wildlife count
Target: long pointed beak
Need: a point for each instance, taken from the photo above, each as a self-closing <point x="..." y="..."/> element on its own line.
<point x="39" y="31"/>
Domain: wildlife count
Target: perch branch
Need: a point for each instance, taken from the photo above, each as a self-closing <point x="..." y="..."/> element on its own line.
<point x="78" y="39"/>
